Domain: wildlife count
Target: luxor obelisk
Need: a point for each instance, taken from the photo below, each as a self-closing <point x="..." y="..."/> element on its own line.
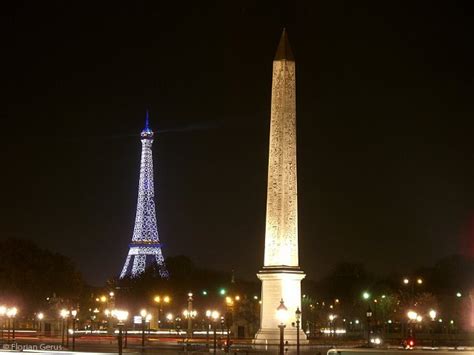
<point x="281" y="275"/>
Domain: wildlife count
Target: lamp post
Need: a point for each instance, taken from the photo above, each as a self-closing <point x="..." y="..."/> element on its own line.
<point x="208" y="325"/>
<point x="432" y="315"/>
<point x="412" y="318"/>
<point x="121" y="317"/>
<point x="190" y="314"/>
<point x="3" y="311"/>
<point x="177" y="324"/>
<point x="169" y="319"/>
<point x="228" y="322"/>
<point x="74" y="314"/>
<point x="369" y="316"/>
<point x="298" y="320"/>
<point x="11" y="313"/>
<point x="125" y="345"/>
<point x="161" y="301"/>
<point x="143" y="314"/>
<point x="40" y="317"/>
<point x="215" y="317"/>
<point x="282" y="316"/>
<point x="412" y="282"/>
<point x="64" y="314"/>
<point x="332" y="328"/>
<point x="222" y="329"/>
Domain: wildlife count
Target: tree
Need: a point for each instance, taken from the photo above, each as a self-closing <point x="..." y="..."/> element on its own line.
<point x="29" y="274"/>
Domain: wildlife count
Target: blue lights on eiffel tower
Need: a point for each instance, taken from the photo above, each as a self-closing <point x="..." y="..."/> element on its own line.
<point x="145" y="248"/>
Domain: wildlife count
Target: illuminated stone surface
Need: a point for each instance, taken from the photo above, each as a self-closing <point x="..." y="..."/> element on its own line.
<point x="281" y="276"/>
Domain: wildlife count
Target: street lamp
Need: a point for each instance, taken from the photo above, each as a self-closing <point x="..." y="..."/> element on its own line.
<point x="169" y="319"/>
<point x="161" y="301"/>
<point x="222" y="326"/>
<point x="332" y="328"/>
<point x="11" y="313"/>
<point x="3" y="311"/>
<point x="369" y="315"/>
<point x="177" y="324"/>
<point x="64" y="314"/>
<point x="208" y="316"/>
<point x="40" y="317"/>
<point x="74" y="314"/>
<point x="190" y="314"/>
<point x="419" y="281"/>
<point x="298" y="320"/>
<point x="229" y="319"/>
<point x="412" y="317"/>
<point x="432" y="315"/>
<point x="143" y="314"/>
<point x="215" y="317"/>
<point x="282" y="316"/>
<point x="121" y="317"/>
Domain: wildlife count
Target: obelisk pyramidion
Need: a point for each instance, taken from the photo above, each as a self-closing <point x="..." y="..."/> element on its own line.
<point x="281" y="275"/>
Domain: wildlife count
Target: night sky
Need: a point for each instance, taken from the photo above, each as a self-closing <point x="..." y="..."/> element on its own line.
<point x="385" y="129"/>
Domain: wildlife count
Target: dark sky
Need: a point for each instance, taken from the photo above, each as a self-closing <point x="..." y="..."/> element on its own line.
<point x="385" y="128"/>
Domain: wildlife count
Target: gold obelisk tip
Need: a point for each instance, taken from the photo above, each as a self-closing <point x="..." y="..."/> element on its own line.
<point x="284" y="50"/>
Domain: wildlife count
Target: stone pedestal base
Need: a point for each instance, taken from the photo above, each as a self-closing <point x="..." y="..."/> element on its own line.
<point x="279" y="283"/>
<point x="272" y="337"/>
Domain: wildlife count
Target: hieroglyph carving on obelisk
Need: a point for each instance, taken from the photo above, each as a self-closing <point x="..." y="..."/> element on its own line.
<point x="281" y="234"/>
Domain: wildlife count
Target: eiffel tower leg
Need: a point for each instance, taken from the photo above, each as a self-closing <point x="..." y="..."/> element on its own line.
<point x="125" y="267"/>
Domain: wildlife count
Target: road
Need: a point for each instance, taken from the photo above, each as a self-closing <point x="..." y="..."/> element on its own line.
<point x="108" y="345"/>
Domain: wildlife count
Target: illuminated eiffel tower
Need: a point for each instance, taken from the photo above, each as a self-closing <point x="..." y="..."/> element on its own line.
<point x="145" y="248"/>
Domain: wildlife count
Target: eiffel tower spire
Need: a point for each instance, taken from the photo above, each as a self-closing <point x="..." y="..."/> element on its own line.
<point x="145" y="248"/>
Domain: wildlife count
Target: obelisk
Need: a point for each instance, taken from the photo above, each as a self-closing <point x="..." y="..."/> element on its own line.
<point x="281" y="276"/>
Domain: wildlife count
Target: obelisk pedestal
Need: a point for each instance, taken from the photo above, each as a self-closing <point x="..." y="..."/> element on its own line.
<point x="281" y="276"/>
<point x="278" y="284"/>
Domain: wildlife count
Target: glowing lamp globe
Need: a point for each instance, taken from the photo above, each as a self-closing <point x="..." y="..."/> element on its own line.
<point x="215" y="315"/>
<point x="120" y="315"/>
<point x="298" y="314"/>
<point x="412" y="315"/>
<point x="282" y="313"/>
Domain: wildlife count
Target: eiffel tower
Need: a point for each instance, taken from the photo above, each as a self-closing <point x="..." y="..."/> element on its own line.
<point x="145" y="248"/>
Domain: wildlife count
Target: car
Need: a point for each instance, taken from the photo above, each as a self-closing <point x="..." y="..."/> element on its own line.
<point x="408" y="343"/>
